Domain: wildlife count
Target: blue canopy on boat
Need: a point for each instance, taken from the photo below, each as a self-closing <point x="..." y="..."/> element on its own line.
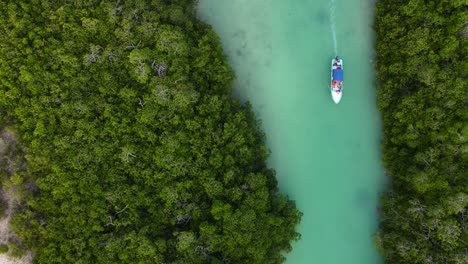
<point x="338" y="75"/>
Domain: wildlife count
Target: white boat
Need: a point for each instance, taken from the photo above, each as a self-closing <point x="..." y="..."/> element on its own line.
<point x="336" y="84"/>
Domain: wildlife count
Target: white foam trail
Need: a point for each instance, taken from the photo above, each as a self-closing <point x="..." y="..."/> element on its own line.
<point x="333" y="25"/>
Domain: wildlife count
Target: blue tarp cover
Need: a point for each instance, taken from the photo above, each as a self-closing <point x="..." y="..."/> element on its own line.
<point x="338" y="75"/>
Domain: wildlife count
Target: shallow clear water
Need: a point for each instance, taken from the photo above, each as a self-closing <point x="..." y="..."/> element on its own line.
<point x="326" y="156"/>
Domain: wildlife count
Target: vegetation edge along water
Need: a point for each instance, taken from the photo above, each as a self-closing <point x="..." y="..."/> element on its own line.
<point x="131" y="149"/>
<point x="422" y="69"/>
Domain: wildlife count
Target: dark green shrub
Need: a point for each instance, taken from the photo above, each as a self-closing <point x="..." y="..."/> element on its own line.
<point x="3" y="249"/>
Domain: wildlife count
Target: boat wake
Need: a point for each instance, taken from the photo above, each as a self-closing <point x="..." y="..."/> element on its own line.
<point x="333" y="25"/>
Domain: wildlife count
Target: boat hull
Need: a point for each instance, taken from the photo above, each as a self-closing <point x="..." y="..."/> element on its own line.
<point x="336" y="94"/>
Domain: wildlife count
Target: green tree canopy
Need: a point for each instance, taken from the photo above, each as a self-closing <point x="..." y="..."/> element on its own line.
<point x="422" y="69"/>
<point x="135" y="150"/>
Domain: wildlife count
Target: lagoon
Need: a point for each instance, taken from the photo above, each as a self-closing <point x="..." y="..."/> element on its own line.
<point x="327" y="156"/>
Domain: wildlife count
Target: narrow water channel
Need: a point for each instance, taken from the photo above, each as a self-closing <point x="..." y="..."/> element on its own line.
<point x="326" y="156"/>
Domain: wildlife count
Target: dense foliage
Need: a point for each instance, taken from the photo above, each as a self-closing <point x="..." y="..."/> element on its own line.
<point x="422" y="68"/>
<point x="135" y="152"/>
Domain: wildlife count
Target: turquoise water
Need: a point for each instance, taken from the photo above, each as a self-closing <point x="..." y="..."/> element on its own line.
<point x="326" y="156"/>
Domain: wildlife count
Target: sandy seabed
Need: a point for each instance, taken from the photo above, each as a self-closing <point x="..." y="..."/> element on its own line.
<point x="4" y="233"/>
<point x="4" y="259"/>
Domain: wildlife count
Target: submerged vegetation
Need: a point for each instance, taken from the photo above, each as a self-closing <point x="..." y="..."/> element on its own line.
<point x="133" y="150"/>
<point x="422" y="69"/>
